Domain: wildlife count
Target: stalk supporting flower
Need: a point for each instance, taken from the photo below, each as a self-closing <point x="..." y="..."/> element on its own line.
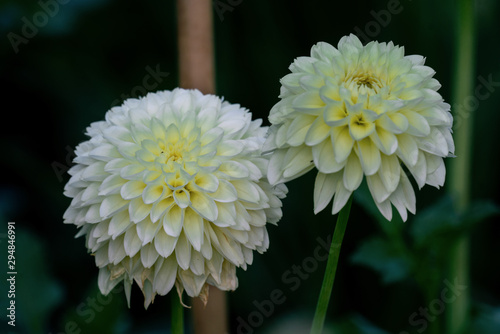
<point x="458" y="312"/>
<point x="177" y="314"/>
<point x="171" y="190"/>
<point x="331" y="269"/>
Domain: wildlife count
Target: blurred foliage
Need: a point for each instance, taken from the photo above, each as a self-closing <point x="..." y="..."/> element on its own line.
<point x="92" y="54"/>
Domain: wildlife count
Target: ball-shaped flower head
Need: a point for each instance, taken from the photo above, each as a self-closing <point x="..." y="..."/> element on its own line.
<point x="172" y="189"/>
<point x="357" y="112"/>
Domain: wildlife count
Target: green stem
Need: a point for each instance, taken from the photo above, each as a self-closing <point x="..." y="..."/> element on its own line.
<point x="177" y="314"/>
<point x="459" y="179"/>
<point x="331" y="268"/>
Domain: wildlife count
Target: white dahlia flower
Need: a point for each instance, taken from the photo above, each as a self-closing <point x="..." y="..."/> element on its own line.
<point x="172" y="189"/>
<point x="360" y="112"/>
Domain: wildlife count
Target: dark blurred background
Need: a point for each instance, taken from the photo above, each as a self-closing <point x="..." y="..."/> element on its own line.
<point x="66" y="62"/>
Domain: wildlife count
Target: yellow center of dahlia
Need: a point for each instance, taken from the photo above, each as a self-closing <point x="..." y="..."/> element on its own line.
<point x="363" y="83"/>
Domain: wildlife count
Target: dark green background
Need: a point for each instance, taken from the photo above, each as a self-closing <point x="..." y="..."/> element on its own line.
<point x="93" y="53"/>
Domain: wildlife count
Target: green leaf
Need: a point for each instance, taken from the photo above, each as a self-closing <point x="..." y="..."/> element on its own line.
<point x="435" y="221"/>
<point x="478" y="211"/>
<point x="384" y="257"/>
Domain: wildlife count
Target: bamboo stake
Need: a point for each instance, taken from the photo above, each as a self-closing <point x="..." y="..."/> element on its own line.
<point x="196" y="70"/>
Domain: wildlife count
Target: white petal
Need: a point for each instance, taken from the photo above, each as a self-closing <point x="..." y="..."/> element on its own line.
<point x="165" y="276"/>
<point x="342" y="144"/>
<point x="407" y="149"/>
<point x="148" y="255"/>
<point x="183" y="252"/>
<point x="353" y="173"/>
<point x="132" y="189"/>
<point x="173" y="221"/>
<point x="164" y="244"/>
<point x="193" y="229"/>
<point x="369" y="156"/>
<point x="138" y="210"/>
<point x="203" y="205"/>
<point x="324" y="188"/>
<point x="324" y="159"/>
<point x="225" y="192"/>
<point x="111" y="205"/>
<point x="132" y="242"/>
<point x="341" y="197"/>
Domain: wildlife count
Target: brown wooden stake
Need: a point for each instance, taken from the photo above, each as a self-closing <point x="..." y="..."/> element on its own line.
<point x="196" y="70"/>
<point x="196" y="48"/>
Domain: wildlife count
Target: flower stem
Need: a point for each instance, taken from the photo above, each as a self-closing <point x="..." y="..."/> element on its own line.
<point x="458" y="312"/>
<point x="331" y="268"/>
<point x="177" y="314"/>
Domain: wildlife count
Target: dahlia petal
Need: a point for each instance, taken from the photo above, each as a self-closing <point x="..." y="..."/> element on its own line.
<point x="419" y="171"/>
<point x="308" y="82"/>
<point x="207" y="182"/>
<point x="335" y="114"/>
<point x="111" y="185"/>
<point x="341" y="197"/>
<point x="324" y="51"/>
<point x="111" y="205"/>
<point x="417" y="124"/>
<point x="324" y="159"/>
<point x="182" y="198"/>
<point x="138" y="210"/>
<point x="308" y="102"/>
<point x="359" y="131"/>
<point x="95" y="172"/>
<point x="226" y="215"/>
<point x="395" y="123"/>
<point x="385" y="209"/>
<point x="386" y="141"/>
<point x="318" y="132"/>
<point x="389" y="172"/>
<point x="173" y="221"/>
<point x="342" y="144"/>
<point x="369" y="155"/>
<point x="149" y="255"/>
<point x="131" y="171"/>
<point x="274" y="172"/>
<point x="377" y="188"/>
<point x="298" y="129"/>
<point x="225" y="192"/>
<point x="183" y="251"/>
<point x="132" y="243"/>
<point x="192" y="283"/>
<point x="104" y="282"/>
<point x="353" y="174"/>
<point x="165" y="276"/>
<point x="434" y="143"/>
<point x="147" y="230"/>
<point x="132" y="189"/>
<point x="230" y="148"/>
<point x="324" y="188"/>
<point x="297" y="161"/>
<point x="152" y="193"/>
<point x="118" y="224"/>
<point x="234" y="170"/>
<point x="197" y="265"/>
<point x="407" y="149"/>
<point x="105" y="152"/>
<point x="160" y="207"/>
<point x="436" y="178"/>
<point x="203" y="205"/>
<point x="246" y="191"/>
<point x="116" y="250"/>
<point x="164" y="243"/>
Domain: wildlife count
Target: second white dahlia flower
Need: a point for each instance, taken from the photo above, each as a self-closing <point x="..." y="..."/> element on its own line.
<point x="360" y="112"/>
<point x="171" y="189"/>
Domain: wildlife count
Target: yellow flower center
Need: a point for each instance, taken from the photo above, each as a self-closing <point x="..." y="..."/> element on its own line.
<point x="363" y="83"/>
